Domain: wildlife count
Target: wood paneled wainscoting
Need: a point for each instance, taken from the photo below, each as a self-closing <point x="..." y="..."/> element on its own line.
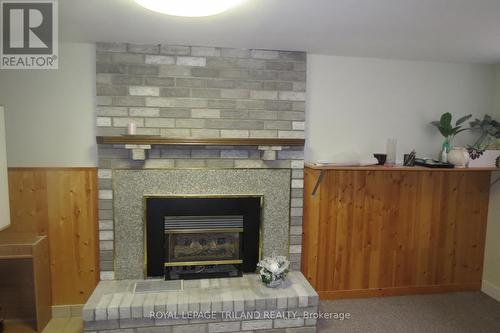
<point x="62" y="204"/>
<point x="374" y="232"/>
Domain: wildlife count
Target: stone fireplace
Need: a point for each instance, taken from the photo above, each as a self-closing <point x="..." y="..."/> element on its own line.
<point x="190" y="92"/>
<point x="212" y="183"/>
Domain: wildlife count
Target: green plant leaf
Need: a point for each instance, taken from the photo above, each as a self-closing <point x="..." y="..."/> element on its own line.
<point x="475" y="123"/>
<point x="487" y="126"/>
<point x="461" y="130"/>
<point x="491" y="130"/>
<point x="445" y="119"/>
<point x="448" y="128"/>
<point x="442" y="131"/>
<point x="463" y="119"/>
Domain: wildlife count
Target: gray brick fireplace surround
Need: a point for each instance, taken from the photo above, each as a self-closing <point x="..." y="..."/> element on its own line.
<point x="198" y="92"/>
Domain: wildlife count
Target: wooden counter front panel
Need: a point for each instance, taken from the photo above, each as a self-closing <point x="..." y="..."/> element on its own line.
<point x="60" y="203"/>
<point x="369" y="233"/>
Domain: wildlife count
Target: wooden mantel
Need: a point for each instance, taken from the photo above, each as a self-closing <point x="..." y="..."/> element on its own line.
<point x="138" y="144"/>
<point x="157" y="140"/>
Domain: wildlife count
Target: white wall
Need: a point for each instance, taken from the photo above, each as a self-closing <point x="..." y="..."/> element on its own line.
<point x="497" y="90"/>
<point x="355" y="104"/>
<point x="491" y="276"/>
<point x="50" y="113"/>
<point x="4" y="186"/>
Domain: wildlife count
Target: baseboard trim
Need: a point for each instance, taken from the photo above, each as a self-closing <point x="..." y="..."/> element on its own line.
<point x="491" y="290"/>
<point x="398" y="291"/>
<point x="66" y="311"/>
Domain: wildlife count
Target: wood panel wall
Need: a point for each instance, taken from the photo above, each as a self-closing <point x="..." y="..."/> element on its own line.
<point x="372" y="233"/>
<point x="62" y="204"/>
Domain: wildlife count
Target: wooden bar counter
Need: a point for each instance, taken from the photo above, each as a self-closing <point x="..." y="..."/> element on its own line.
<point x="375" y="231"/>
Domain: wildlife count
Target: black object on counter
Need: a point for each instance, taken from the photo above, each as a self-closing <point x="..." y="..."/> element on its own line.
<point x="381" y="158"/>
<point x="409" y="159"/>
<point x="430" y="163"/>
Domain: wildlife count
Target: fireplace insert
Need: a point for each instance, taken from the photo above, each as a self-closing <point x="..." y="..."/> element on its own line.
<point x="200" y="237"/>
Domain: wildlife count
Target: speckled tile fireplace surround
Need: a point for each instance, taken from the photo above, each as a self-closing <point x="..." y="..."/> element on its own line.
<point x="130" y="186"/>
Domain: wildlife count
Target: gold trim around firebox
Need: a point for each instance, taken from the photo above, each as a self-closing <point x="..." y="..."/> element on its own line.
<point x="200" y="231"/>
<point x="203" y="263"/>
<point x="201" y="196"/>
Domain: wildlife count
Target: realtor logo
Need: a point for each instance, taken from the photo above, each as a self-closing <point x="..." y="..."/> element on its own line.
<point x="29" y="36"/>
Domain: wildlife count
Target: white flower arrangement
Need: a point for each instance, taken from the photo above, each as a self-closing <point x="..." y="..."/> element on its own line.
<point x="273" y="270"/>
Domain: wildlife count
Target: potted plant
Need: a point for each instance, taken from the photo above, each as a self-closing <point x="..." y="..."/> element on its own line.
<point x="273" y="270"/>
<point x="479" y="153"/>
<point x="448" y="131"/>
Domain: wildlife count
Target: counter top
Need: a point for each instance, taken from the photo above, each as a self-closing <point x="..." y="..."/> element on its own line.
<point x="393" y="168"/>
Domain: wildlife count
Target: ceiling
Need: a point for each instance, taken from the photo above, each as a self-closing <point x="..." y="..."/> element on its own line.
<point x="438" y="30"/>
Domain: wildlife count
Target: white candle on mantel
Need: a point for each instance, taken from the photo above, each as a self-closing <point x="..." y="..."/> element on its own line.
<point x="132" y="129"/>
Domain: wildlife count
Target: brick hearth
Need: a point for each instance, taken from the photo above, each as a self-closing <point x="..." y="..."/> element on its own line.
<point x="233" y="301"/>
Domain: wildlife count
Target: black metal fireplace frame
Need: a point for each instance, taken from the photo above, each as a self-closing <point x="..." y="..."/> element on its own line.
<point x="156" y="207"/>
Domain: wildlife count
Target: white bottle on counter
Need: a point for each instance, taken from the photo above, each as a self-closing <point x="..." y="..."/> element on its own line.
<point x="391" y="151"/>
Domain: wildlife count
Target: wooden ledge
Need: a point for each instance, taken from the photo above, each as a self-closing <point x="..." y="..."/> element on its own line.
<point x="157" y="140"/>
<point x="393" y="168"/>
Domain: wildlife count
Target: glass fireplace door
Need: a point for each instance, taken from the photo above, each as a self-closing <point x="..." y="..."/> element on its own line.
<point x="203" y="240"/>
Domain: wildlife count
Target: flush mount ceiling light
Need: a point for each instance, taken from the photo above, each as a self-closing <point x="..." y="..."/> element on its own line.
<point x="189" y="8"/>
